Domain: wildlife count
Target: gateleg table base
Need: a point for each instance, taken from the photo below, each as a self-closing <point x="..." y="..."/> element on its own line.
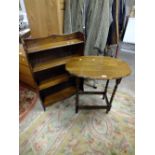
<point x="104" y="93"/>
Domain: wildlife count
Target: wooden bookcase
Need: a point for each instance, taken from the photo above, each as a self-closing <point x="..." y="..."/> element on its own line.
<point x="47" y="58"/>
<point x="25" y="74"/>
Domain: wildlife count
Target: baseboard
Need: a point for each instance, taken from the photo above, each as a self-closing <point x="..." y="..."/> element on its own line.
<point x="127" y="51"/>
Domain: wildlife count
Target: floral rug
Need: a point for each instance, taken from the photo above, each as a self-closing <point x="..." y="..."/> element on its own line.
<point x="27" y="99"/>
<point x="59" y="131"/>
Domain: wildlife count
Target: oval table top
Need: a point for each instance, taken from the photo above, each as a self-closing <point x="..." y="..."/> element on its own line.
<point x="98" y="67"/>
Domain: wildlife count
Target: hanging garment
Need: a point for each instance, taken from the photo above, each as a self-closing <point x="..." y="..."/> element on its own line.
<point x="113" y="35"/>
<point x="97" y="16"/>
<point x="118" y="24"/>
<point x="74" y="16"/>
<point x="98" y="21"/>
<point x="105" y="35"/>
<point x="122" y="15"/>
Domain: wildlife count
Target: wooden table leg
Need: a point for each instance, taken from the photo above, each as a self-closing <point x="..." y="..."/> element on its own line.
<point x="77" y="96"/>
<point x="109" y="104"/>
<point x="105" y="90"/>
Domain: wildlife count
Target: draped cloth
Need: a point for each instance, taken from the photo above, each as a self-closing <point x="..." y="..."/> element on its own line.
<point x="73" y="18"/>
<point x="119" y="20"/>
<point x="93" y="17"/>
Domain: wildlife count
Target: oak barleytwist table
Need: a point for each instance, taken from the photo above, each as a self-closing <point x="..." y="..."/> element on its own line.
<point x="97" y="68"/>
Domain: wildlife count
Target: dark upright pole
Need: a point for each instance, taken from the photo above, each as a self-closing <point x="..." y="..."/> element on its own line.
<point x="113" y="94"/>
<point x="77" y="95"/>
<point x="105" y="90"/>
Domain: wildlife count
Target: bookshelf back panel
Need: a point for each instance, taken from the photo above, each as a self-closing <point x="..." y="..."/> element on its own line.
<point x="49" y="73"/>
<point x="52" y="54"/>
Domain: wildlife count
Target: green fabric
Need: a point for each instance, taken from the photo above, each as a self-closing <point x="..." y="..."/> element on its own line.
<point x="73" y="16"/>
<point x="98" y="19"/>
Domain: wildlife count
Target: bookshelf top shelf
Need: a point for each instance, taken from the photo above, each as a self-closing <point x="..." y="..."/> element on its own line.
<point x="51" y="45"/>
<point x="52" y="42"/>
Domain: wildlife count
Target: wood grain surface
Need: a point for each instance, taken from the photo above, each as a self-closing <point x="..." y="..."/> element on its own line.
<point x="98" y="67"/>
<point x="54" y="41"/>
<point x="60" y="95"/>
<point x="53" y="81"/>
<point x="25" y="74"/>
<point x="52" y="63"/>
<point x="44" y="17"/>
<point x="47" y="57"/>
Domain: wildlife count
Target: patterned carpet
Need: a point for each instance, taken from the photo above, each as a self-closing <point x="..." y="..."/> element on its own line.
<point x="59" y="131"/>
<point x="27" y="99"/>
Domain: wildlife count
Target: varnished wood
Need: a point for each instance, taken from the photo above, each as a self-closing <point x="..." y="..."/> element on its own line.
<point x="21" y="50"/>
<point x="47" y="56"/>
<point x="53" y="81"/>
<point x="52" y="63"/>
<point x="26" y="79"/>
<point x="60" y="95"/>
<point x="25" y="74"/>
<point x="101" y="68"/>
<point x="54" y="45"/>
<point x="62" y="20"/>
<point x="53" y="41"/>
<point x="23" y="69"/>
<point x="62" y="4"/>
<point x="98" y="67"/>
<point x="61" y="15"/>
<point x="44" y="17"/>
<point x="23" y="60"/>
